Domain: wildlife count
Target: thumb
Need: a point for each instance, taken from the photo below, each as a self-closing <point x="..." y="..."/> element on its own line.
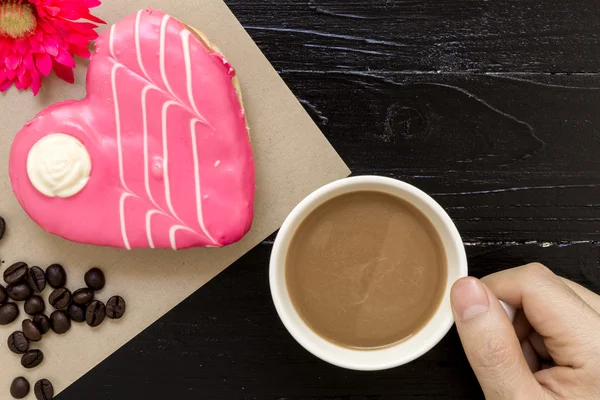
<point x="491" y="344"/>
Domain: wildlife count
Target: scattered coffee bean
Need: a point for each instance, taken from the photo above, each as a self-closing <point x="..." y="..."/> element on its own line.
<point x="8" y="313"/>
<point x="36" y="279"/>
<point x="2" y="227"/>
<point x="32" y="358"/>
<point x="95" y="313"/>
<point x="60" y="322"/>
<point x="19" y="291"/>
<point x="60" y="298"/>
<point x="56" y="276"/>
<point x="83" y="296"/>
<point x="35" y="305"/>
<point x="16" y="273"/>
<point x="94" y="279"/>
<point x="3" y="294"/>
<point x="19" y="388"/>
<point x="77" y="313"/>
<point x="42" y="322"/>
<point x="31" y="331"/>
<point x="18" y="343"/>
<point x="43" y="390"/>
<point x="115" y="307"/>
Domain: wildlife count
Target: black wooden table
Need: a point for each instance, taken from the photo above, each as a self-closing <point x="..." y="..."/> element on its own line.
<point x="492" y="107"/>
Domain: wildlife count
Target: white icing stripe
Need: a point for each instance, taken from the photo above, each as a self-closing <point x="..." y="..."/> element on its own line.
<point x="197" y="181"/>
<point x="111" y="45"/>
<point x="149" y="215"/>
<point x="146" y="155"/>
<point x="122" y="219"/>
<point x="124" y="196"/>
<point x="165" y="109"/>
<point x="185" y="41"/>
<point x="163" y="33"/>
<point x="173" y="231"/>
<point x="138" y="49"/>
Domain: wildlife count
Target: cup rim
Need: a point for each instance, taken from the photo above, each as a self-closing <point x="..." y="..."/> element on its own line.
<point x="276" y="270"/>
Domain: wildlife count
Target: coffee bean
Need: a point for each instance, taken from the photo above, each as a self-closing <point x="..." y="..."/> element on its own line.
<point x="56" y="276"/>
<point x="3" y="295"/>
<point x="94" y="279"/>
<point x="19" y="388"/>
<point x="18" y="343"/>
<point x="36" y="279"/>
<point x="35" y="305"/>
<point x="2" y="227"/>
<point x="77" y="313"/>
<point x="43" y="390"/>
<point x="95" y="313"/>
<point x="19" y="291"/>
<point x="42" y="322"/>
<point x="16" y="273"/>
<point x="32" y="358"/>
<point x="115" y="307"/>
<point x="31" y="331"/>
<point x="60" y="322"/>
<point x="60" y="298"/>
<point x="8" y="313"/>
<point x="83" y="296"/>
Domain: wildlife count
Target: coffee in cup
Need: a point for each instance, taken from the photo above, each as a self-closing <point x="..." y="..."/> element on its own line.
<point x="366" y="270"/>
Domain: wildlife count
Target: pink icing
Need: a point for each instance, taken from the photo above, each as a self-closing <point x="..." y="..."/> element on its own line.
<point x="188" y="182"/>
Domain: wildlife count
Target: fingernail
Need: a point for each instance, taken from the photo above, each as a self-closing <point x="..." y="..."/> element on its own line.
<point x="469" y="298"/>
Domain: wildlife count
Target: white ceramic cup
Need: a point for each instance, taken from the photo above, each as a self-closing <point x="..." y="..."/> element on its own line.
<point x="388" y="357"/>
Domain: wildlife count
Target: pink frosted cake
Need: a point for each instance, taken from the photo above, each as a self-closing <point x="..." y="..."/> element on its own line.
<point x="156" y="156"/>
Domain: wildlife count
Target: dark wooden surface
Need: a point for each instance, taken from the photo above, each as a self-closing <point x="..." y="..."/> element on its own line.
<point x="493" y="107"/>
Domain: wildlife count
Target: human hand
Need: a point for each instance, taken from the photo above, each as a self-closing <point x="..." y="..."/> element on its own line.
<point x="552" y="351"/>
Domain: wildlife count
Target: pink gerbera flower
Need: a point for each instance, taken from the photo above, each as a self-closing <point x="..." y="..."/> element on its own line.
<point x="38" y="36"/>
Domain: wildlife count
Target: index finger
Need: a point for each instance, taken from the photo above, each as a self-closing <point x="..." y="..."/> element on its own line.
<point x="554" y="310"/>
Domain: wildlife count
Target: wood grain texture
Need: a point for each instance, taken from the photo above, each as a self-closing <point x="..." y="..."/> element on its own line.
<point x="490" y="106"/>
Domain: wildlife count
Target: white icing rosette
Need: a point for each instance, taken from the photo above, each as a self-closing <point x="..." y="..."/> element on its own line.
<point x="59" y="165"/>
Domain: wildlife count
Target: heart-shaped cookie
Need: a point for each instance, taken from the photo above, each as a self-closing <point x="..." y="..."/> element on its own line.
<point x="157" y="155"/>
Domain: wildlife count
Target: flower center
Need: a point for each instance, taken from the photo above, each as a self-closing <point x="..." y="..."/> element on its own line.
<point x="16" y="19"/>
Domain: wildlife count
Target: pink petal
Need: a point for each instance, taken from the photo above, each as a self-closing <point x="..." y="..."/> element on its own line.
<point x="36" y="82"/>
<point x="47" y="27"/>
<point x="4" y="50"/>
<point x="78" y="40"/>
<point x="83" y="27"/>
<point x="22" y="71"/>
<point x="81" y="51"/>
<point x="43" y="62"/>
<point x="25" y="81"/>
<point x="65" y="58"/>
<point x="35" y="46"/>
<point x="51" y="46"/>
<point x="64" y="73"/>
<point x="21" y="46"/>
<point x="53" y="10"/>
<point x="4" y="87"/>
<point x="18" y="85"/>
<point x="11" y="74"/>
<point x="93" y="18"/>
<point x="12" y="61"/>
<point x="39" y="35"/>
<point x="28" y="61"/>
